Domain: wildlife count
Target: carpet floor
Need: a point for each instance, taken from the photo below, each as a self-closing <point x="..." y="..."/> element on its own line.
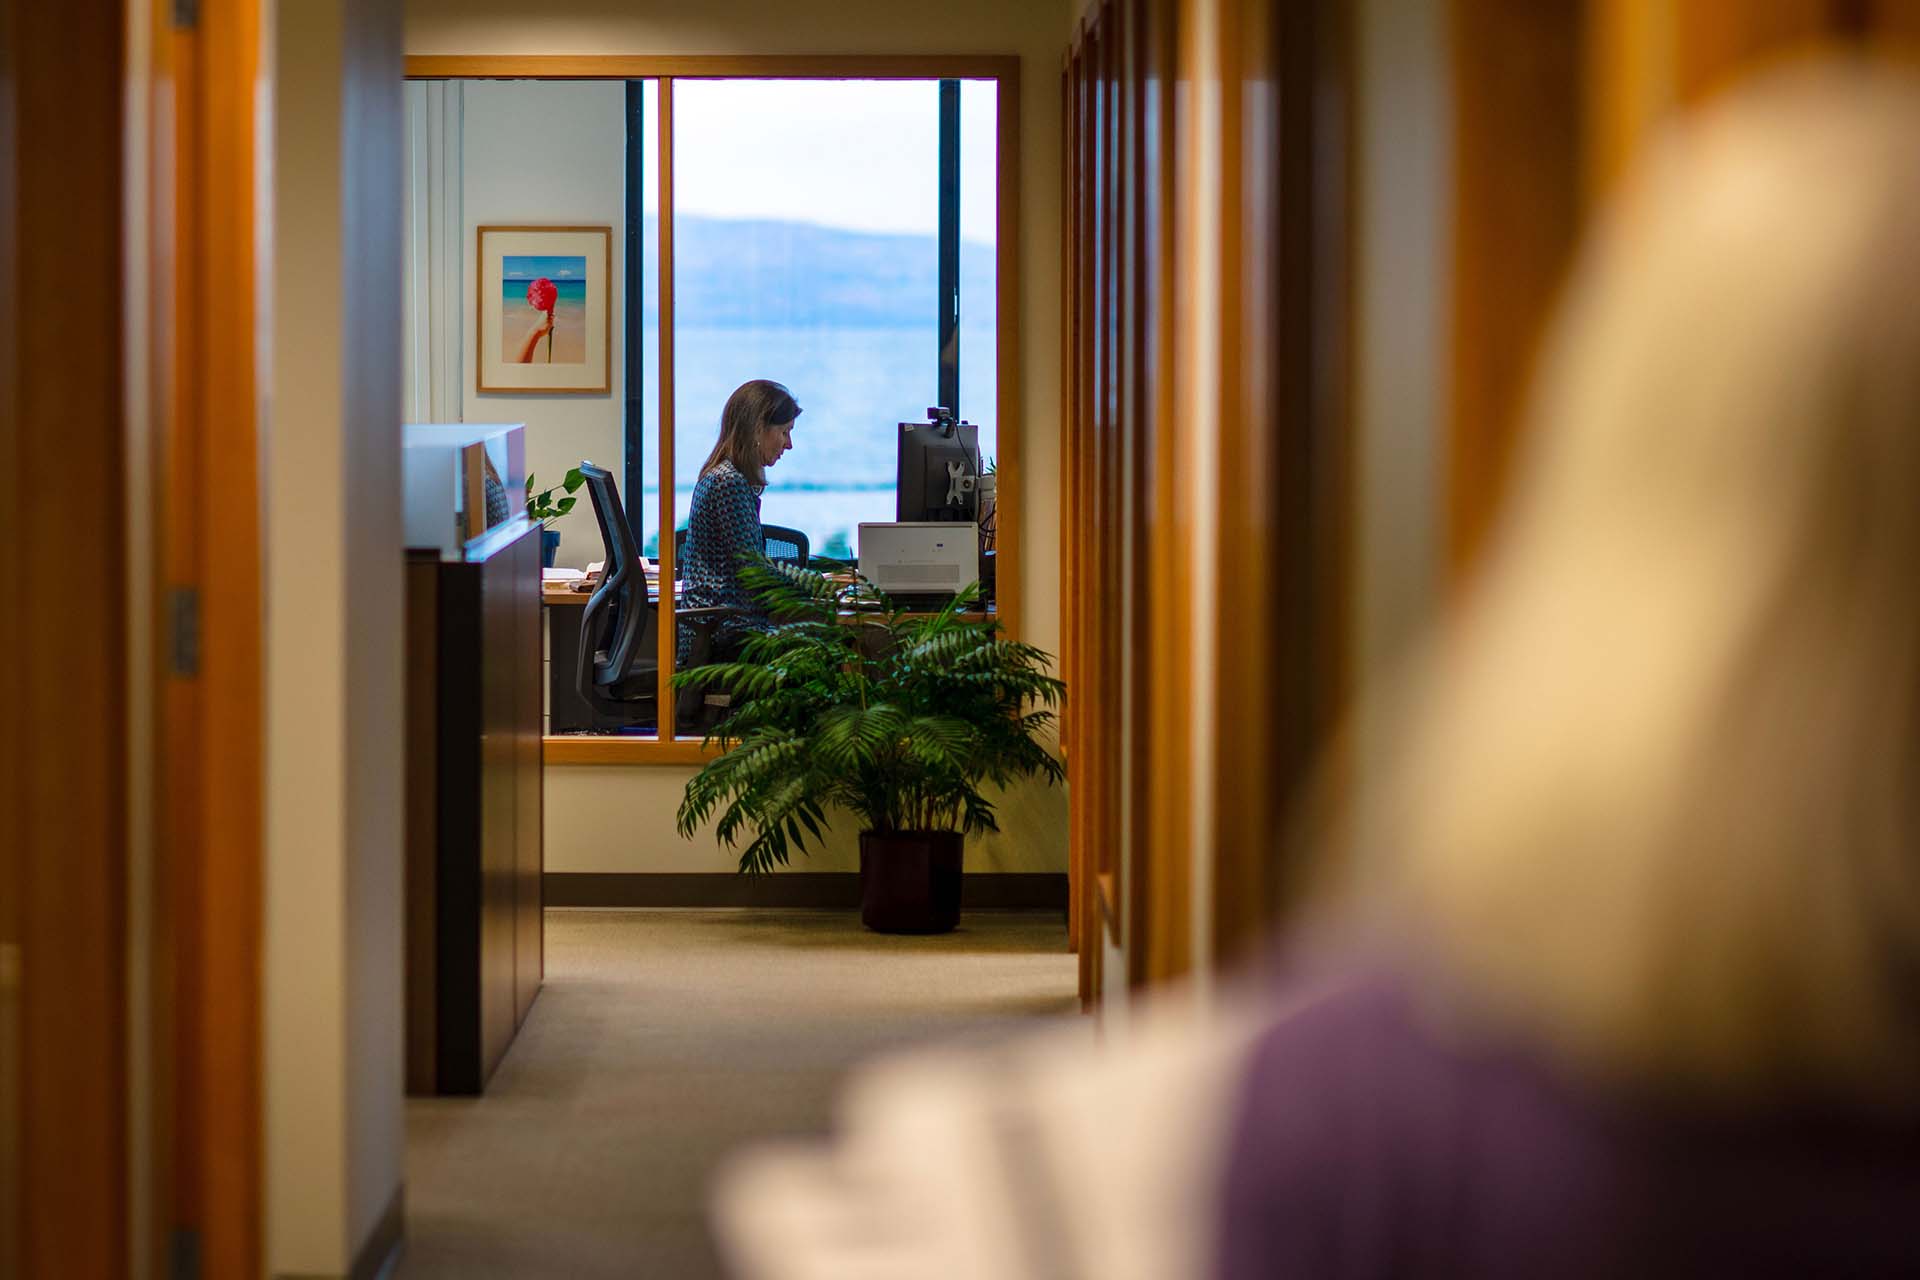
<point x="663" y="1039"/>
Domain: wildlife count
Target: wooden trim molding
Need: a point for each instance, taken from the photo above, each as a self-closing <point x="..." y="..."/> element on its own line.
<point x="1008" y="383"/>
<point x="513" y="66"/>
<point x="588" y="749"/>
<point x="669" y="637"/>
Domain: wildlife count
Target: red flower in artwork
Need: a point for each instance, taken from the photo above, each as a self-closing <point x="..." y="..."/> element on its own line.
<point x="541" y="295"/>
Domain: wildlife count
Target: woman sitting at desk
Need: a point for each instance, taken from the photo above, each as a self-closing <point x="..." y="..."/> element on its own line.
<point x="723" y="528"/>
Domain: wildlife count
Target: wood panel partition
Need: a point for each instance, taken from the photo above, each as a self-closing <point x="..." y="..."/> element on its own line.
<point x="1205" y="470"/>
<point x="1122" y="550"/>
<point x="64" y="1116"/>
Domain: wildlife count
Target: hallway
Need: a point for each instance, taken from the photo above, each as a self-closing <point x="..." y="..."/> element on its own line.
<point x="660" y="1041"/>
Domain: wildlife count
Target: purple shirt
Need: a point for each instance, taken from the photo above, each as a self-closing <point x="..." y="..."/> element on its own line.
<point x="1364" y="1147"/>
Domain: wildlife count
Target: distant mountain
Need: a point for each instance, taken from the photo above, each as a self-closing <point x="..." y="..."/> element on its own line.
<point x="748" y="274"/>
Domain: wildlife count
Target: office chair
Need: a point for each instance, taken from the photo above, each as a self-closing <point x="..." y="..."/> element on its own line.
<point x="619" y="667"/>
<point x="781" y="545"/>
<point x="701" y="708"/>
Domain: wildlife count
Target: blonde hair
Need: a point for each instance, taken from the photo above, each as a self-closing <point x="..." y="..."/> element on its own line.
<point x="1660" y="799"/>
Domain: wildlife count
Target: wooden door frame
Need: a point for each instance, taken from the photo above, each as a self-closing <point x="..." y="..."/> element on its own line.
<point x="204" y="304"/>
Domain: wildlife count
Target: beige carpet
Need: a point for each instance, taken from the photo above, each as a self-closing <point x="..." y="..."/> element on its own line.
<point x="664" y="1038"/>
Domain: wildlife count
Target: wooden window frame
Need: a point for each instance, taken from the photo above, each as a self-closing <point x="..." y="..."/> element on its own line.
<point x="1004" y="71"/>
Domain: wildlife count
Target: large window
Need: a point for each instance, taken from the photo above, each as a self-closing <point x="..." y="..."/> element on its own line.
<point x="806" y="249"/>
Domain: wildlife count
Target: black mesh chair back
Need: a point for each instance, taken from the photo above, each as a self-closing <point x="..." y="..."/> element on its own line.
<point x="783" y="545"/>
<point x="613" y="628"/>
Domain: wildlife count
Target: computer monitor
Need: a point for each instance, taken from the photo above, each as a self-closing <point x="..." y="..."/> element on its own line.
<point x="939" y="470"/>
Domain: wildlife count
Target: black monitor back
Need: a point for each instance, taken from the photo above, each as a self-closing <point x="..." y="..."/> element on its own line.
<point x="922" y="481"/>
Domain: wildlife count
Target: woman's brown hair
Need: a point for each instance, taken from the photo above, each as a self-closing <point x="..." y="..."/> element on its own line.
<point x="751" y="410"/>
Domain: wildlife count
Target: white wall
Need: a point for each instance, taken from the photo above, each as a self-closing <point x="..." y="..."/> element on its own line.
<point x="512" y="152"/>
<point x="549" y="153"/>
<point x="330" y="425"/>
<point x="619" y="818"/>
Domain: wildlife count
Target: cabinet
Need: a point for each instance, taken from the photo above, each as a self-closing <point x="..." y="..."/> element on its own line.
<point x="474" y="856"/>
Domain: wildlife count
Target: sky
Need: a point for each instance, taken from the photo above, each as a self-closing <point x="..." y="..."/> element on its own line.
<point x="859" y="154"/>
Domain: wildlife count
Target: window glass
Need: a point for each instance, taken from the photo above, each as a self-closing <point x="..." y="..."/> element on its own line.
<point x="805" y="251"/>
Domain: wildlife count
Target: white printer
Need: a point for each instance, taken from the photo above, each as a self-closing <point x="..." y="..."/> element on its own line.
<point x="914" y="560"/>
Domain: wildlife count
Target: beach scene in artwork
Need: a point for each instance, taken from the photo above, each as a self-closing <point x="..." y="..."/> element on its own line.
<point x="565" y="290"/>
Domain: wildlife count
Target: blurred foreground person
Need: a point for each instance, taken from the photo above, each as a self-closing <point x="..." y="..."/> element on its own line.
<point x="1619" y="972"/>
<point x="1628" y="969"/>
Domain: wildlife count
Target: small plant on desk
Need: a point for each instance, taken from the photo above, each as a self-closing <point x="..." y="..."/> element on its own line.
<point x="542" y="506"/>
<point x="904" y="720"/>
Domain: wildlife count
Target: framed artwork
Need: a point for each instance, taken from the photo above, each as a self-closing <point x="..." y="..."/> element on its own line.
<point x="545" y="313"/>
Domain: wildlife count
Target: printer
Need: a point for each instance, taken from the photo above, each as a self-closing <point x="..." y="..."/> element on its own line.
<point x="920" y="563"/>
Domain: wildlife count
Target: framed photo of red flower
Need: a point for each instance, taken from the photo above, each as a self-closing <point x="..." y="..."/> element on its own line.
<point x="544" y="310"/>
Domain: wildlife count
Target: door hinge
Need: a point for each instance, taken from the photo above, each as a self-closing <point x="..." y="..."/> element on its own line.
<point x="183" y="1255"/>
<point x="186" y="15"/>
<point x="183" y="631"/>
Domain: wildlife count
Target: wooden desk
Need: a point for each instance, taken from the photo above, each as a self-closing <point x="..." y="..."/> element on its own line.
<point x="566" y="710"/>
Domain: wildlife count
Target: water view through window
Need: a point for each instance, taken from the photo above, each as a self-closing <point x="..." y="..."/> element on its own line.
<point x="806" y="217"/>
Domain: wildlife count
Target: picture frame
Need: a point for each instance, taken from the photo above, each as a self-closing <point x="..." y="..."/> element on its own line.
<point x="543" y="314"/>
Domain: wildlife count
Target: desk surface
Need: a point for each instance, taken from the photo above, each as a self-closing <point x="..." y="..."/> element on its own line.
<point x="563" y="595"/>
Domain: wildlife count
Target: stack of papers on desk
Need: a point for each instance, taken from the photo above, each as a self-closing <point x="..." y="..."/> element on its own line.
<point x="589" y="578"/>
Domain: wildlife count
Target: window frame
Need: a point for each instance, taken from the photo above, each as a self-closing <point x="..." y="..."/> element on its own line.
<point x="1004" y="71"/>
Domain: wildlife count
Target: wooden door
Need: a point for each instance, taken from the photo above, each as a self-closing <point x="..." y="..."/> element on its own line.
<point x="63" y="631"/>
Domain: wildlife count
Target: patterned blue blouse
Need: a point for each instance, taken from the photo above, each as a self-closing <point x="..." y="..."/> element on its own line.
<point x="723" y="525"/>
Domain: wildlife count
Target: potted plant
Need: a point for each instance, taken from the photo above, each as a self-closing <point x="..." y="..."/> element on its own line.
<point x="541" y="506"/>
<point x="901" y="720"/>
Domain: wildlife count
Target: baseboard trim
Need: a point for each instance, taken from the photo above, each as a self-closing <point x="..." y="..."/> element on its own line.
<point x="380" y="1255"/>
<point x="981" y="890"/>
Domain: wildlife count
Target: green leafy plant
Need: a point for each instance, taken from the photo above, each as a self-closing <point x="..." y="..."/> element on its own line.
<point x="542" y="507"/>
<point x="903" y="720"/>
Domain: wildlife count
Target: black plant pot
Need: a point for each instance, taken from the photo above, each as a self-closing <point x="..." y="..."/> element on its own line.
<point x="910" y="881"/>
